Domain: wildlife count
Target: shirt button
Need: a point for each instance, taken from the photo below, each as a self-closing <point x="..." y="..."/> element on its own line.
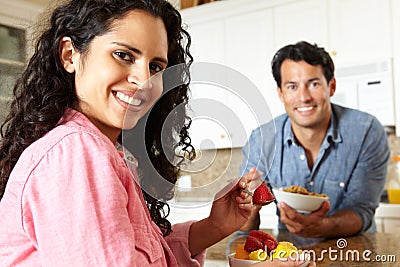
<point x="311" y="183"/>
<point x="302" y="157"/>
<point x="341" y="184"/>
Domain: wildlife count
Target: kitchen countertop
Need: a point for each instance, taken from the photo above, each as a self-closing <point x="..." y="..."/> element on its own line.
<point x="369" y="249"/>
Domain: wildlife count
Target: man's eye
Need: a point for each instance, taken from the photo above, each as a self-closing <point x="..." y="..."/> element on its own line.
<point x="291" y="87"/>
<point x="314" y="85"/>
<point x="124" y="56"/>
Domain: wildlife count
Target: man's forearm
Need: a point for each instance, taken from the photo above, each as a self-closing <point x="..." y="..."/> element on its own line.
<point x="341" y="223"/>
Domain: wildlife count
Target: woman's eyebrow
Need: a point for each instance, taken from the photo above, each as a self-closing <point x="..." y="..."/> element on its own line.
<point x="137" y="51"/>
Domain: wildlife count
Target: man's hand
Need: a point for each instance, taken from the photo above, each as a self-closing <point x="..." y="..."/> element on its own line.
<point x="307" y="225"/>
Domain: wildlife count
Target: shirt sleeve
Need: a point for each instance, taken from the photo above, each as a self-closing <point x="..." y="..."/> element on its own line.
<point x="74" y="206"/>
<point x="178" y="241"/>
<point x="369" y="175"/>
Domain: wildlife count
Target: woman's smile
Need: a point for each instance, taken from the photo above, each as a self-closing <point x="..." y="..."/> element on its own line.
<point x="118" y="94"/>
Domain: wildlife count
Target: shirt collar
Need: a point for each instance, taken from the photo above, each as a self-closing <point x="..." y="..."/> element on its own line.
<point x="333" y="130"/>
<point x="332" y="133"/>
<point x="288" y="135"/>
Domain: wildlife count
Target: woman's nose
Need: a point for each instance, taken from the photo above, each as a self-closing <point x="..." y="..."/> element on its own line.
<point x="140" y="75"/>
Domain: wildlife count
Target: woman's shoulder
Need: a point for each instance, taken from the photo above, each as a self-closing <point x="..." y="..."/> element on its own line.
<point x="71" y="138"/>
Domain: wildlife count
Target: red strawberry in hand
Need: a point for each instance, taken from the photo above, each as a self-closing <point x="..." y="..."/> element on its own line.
<point x="262" y="195"/>
<point x="252" y="244"/>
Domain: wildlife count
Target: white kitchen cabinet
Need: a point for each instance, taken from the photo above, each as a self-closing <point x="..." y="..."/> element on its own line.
<point x="395" y="15"/>
<point x="207" y="130"/>
<point x="245" y="34"/>
<point x="208" y="108"/>
<point x="207" y="41"/>
<point x="368" y="87"/>
<point x="249" y="50"/>
<point x="301" y="20"/>
<point x="359" y="30"/>
<point x="243" y="45"/>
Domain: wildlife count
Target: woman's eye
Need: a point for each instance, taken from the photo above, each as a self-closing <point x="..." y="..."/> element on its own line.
<point x="156" y="68"/>
<point x="124" y="56"/>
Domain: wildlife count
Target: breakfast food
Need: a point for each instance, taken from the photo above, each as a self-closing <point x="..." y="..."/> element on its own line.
<point x="301" y="190"/>
<point x="258" y="255"/>
<point x="261" y="246"/>
<point x="285" y="249"/>
<point x="262" y="195"/>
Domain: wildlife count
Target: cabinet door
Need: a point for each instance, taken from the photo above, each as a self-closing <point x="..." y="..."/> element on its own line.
<point x="396" y="60"/>
<point x="207" y="41"/>
<point x="208" y="109"/>
<point x="301" y="20"/>
<point x="249" y="50"/>
<point x="359" y="30"/>
<point x="207" y="130"/>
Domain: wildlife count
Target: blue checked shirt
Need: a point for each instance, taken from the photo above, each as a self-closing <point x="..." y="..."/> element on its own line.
<point x="350" y="168"/>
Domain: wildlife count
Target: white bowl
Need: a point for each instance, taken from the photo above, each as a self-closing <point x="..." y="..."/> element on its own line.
<point x="233" y="262"/>
<point x="299" y="202"/>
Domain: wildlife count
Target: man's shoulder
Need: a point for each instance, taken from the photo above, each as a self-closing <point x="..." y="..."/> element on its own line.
<point x="352" y="120"/>
<point x="352" y="116"/>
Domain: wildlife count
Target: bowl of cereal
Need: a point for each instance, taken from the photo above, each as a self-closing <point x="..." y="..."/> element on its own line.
<point x="299" y="198"/>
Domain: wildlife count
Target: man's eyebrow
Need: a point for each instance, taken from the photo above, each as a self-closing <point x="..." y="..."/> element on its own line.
<point x="289" y="82"/>
<point x="137" y="51"/>
<point x="314" y="79"/>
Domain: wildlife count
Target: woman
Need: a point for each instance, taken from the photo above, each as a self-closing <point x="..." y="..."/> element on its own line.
<point x="68" y="197"/>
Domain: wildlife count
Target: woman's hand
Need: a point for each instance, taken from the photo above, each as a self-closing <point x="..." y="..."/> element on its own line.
<point x="232" y="205"/>
<point x="230" y="210"/>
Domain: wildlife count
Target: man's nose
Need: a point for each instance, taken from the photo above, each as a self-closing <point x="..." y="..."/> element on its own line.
<point x="304" y="92"/>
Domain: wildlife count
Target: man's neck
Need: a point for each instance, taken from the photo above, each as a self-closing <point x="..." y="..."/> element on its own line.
<point x="311" y="140"/>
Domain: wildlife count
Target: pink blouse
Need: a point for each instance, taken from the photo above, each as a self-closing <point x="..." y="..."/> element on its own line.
<point x="71" y="201"/>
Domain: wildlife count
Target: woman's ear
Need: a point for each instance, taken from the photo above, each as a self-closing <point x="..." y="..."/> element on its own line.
<point x="67" y="53"/>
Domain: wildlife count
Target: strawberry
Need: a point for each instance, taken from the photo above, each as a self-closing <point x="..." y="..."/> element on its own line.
<point x="253" y="244"/>
<point x="262" y="195"/>
<point x="270" y="243"/>
<point x="262" y="236"/>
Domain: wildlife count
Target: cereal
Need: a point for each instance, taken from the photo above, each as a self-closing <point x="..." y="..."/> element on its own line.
<point x="301" y="190"/>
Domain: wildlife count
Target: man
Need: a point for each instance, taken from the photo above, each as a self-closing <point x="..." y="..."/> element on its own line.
<point x="321" y="146"/>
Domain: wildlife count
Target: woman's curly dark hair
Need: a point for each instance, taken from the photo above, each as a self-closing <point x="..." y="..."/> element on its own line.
<point x="45" y="89"/>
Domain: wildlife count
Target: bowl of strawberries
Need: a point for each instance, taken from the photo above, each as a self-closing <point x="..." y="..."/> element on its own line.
<point x="261" y="246"/>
